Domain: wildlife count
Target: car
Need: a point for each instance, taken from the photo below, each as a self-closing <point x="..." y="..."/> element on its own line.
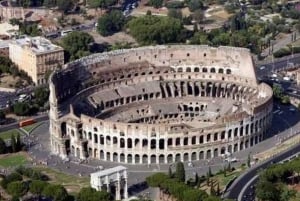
<point x="262" y="67"/>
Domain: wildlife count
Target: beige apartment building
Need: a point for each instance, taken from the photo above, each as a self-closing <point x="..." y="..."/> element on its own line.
<point x="36" y="56"/>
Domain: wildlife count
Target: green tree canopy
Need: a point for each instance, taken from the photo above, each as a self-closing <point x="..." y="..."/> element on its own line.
<point x="41" y="95"/>
<point x="90" y="194"/>
<point x="64" y="5"/>
<point x="111" y="23"/>
<point x="156" y="3"/>
<point x="180" y="172"/>
<point x="56" y="192"/>
<point x="21" y="109"/>
<point x="195" y="5"/>
<point x="151" y="29"/>
<point x="37" y="186"/>
<point x="3" y="148"/>
<point x="17" y="188"/>
<point x="76" y="44"/>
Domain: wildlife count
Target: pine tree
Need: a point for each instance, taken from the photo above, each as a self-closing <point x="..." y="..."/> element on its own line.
<point x="170" y="173"/>
<point x="249" y="161"/>
<point x="207" y="179"/>
<point x="18" y="143"/>
<point x="180" y="172"/>
<point x="218" y="189"/>
<point x="196" y="179"/>
<point x="209" y="171"/>
<point x="13" y="143"/>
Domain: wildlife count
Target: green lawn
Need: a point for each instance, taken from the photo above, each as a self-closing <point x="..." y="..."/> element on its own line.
<point x="72" y="183"/>
<point x="30" y="127"/>
<point x="13" y="160"/>
<point x="7" y="134"/>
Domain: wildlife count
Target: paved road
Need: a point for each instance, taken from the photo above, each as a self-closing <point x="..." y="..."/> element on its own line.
<point x="236" y="187"/>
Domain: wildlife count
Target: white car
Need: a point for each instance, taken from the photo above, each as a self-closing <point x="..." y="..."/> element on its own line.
<point x="262" y="67"/>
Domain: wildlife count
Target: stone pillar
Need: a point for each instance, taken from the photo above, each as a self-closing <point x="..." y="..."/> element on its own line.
<point x="118" y="187"/>
<point x="125" y="185"/>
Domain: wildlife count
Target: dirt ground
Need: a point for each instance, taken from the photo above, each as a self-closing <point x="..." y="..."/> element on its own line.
<point x="116" y="38"/>
<point x="8" y="81"/>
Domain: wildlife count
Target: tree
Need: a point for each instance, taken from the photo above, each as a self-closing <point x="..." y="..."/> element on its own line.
<point x="195" y="5"/>
<point x="209" y="172"/>
<point x="285" y="99"/>
<point x="277" y="91"/>
<point x="90" y="194"/>
<point x="198" y="16"/>
<point x="249" y="161"/>
<point x="13" y="143"/>
<point x="3" y="147"/>
<point x="111" y="23"/>
<point x="196" y="179"/>
<point x="156" y="3"/>
<point x="175" y="13"/>
<point x="266" y="190"/>
<point x="41" y="95"/>
<point x="151" y="29"/>
<point x="170" y="173"/>
<point x="77" y="44"/>
<point x="2" y="115"/>
<point x="36" y="187"/>
<point x="21" y="109"/>
<point x="17" y="188"/>
<point x="18" y="142"/>
<point x="180" y="172"/>
<point x="64" y="5"/>
<point x="56" y="192"/>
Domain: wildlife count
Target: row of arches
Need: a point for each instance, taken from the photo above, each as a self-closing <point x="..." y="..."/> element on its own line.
<point x="204" y="70"/>
<point x="172" y="157"/>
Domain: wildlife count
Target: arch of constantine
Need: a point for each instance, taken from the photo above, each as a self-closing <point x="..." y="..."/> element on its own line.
<point x="158" y="104"/>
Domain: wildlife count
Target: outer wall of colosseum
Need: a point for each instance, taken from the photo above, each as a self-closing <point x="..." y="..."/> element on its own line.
<point x="158" y="104"/>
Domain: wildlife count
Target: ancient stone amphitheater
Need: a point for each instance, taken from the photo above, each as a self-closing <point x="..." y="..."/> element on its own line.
<point x="158" y="104"/>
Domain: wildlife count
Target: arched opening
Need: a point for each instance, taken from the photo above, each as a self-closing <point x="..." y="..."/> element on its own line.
<point x="129" y="143"/>
<point x="204" y="70"/>
<point x="108" y="156"/>
<point x="208" y="154"/>
<point x="188" y="69"/>
<point x="216" y="152"/>
<point x="196" y="70"/>
<point x="122" y="158"/>
<point x="161" y="144"/>
<point x="194" y="140"/>
<point x="177" y="158"/>
<point x="129" y="158"/>
<point x="78" y="152"/>
<point x="153" y="144"/>
<point x="101" y="139"/>
<point x="101" y="155"/>
<point x="137" y="158"/>
<point x="228" y="71"/>
<point x="194" y="156"/>
<point x="145" y="143"/>
<point x="170" y="141"/>
<point x="161" y="159"/>
<point x="179" y="70"/>
<point x="63" y="128"/>
<point x="122" y="143"/>
<point x="201" y="155"/>
<point x="212" y="70"/>
<point x="185" y="157"/>
<point x="145" y="159"/>
<point x="115" y="157"/>
<point x="170" y="158"/>
<point x="221" y="70"/>
<point x="153" y="159"/>
<point x="177" y="141"/>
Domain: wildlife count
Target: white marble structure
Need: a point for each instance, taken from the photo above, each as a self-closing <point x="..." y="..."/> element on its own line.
<point x="113" y="177"/>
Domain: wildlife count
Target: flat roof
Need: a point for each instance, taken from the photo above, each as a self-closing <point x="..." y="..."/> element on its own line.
<point x="37" y="44"/>
<point x="108" y="171"/>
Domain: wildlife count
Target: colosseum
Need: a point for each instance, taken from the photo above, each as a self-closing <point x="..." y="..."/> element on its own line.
<point x="158" y="104"/>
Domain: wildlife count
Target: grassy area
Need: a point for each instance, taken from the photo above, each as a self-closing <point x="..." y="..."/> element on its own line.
<point x="70" y="182"/>
<point x="13" y="160"/>
<point x="7" y="134"/>
<point x="30" y="127"/>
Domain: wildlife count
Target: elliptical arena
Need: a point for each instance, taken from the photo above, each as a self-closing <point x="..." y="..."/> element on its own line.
<point x="158" y="104"/>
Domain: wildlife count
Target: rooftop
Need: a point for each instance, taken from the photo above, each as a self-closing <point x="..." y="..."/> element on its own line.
<point x="4" y="43"/>
<point x="37" y="44"/>
<point x="108" y="171"/>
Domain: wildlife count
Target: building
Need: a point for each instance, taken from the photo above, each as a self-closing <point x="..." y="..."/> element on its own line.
<point x="9" y="30"/>
<point x="37" y="56"/>
<point x="158" y="105"/>
<point x="4" y="48"/>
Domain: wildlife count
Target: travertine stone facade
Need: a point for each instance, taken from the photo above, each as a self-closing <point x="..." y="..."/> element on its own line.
<point x="158" y="104"/>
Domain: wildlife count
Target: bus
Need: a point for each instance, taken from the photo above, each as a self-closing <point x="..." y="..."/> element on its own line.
<point x="65" y="32"/>
<point x="26" y="122"/>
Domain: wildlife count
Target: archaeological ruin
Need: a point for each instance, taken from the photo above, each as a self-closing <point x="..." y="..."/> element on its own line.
<point x="158" y="104"/>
